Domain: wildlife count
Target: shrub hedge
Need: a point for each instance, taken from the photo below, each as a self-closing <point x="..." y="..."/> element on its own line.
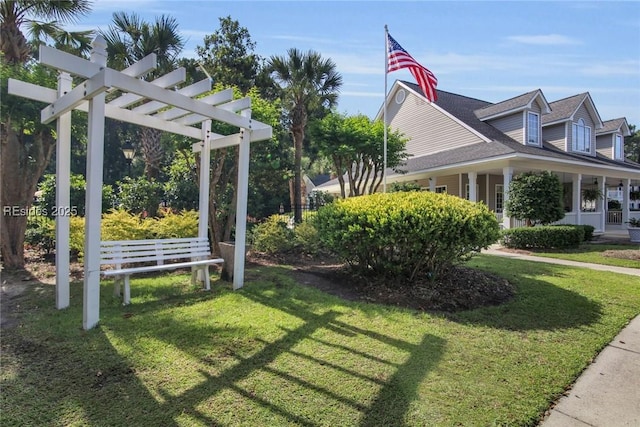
<point x="404" y="234"/>
<point x="544" y="237"/>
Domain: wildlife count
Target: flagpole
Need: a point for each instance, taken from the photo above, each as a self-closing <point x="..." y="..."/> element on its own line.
<point x="384" y="109"/>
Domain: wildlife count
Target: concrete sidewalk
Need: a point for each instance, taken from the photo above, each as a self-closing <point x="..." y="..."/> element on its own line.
<point x="607" y="393"/>
<point x="495" y="250"/>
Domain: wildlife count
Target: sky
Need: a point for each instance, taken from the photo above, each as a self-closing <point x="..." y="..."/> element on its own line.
<point x="492" y="51"/>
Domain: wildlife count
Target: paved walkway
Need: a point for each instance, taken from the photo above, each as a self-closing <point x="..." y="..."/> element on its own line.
<point x="607" y="393"/>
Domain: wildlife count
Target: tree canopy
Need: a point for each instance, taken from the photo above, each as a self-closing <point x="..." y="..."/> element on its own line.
<point x="535" y="197"/>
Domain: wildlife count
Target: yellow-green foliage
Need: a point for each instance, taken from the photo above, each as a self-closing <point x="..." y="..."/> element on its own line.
<point x="122" y="225"/>
<point x="406" y="233"/>
<point x="172" y="225"/>
<point x="273" y="235"/>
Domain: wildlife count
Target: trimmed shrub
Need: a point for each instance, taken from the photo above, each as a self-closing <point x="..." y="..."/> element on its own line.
<point x="273" y="235"/>
<point x="122" y="225"/>
<point x="405" y="234"/>
<point x="587" y="229"/>
<point x="306" y="237"/>
<point x="174" y="225"/>
<point x="543" y="237"/>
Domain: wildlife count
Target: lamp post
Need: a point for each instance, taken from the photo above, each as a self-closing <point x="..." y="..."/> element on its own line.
<point x="129" y="153"/>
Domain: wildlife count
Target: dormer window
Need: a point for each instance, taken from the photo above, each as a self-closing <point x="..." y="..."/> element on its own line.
<point x="618" y="147"/>
<point x="533" y="128"/>
<point x="581" y="137"/>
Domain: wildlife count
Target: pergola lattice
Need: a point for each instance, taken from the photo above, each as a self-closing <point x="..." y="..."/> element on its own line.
<point x="143" y="103"/>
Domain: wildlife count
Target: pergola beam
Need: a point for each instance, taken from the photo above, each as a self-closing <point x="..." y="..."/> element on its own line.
<point x="213" y="99"/>
<point x="87" y="90"/>
<point x="192" y="90"/>
<point x="173" y="78"/>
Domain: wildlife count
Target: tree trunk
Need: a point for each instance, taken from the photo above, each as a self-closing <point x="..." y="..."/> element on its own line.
<point x="22" y="164"/>
<point x="298" y="138"/>
<point x="151" y="151"/>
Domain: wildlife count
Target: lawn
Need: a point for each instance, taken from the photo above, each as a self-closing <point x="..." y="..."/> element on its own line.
<point x="280" y="354"/>
<point x="598" y="254"/>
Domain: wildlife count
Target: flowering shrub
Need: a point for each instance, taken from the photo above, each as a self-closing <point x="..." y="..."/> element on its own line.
<point x="405" y="234"/>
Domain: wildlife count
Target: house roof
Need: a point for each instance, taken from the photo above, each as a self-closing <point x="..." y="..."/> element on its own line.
<point x="616" y="125"/>
<point x="512" y="105"/>
<point x="465" y="110"/>
<point x="564" y="109"/>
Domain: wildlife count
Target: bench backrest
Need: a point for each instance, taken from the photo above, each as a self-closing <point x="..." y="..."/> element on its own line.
<point x="138" y="251"/>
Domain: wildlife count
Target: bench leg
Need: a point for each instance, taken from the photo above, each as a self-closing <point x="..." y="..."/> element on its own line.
<point x="127" y="290"/>
<point x="116" y="286"/>
<point x="207" y="279"/>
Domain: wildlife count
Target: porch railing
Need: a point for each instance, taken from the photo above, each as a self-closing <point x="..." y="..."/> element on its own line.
<point x="614" y="217"/>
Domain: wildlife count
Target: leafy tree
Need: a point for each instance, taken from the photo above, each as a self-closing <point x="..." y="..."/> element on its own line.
<point x="140" y="195"/>
<point x="181" y="190"/>
<point x="355" y="145"/>
<point x="77" y="192"/>
<point x="308" y="83"/>
<point x="130" y="39"/>
<point x="536" y="198"/>
<point x="228" y="56"/>
<point x="15" y="15"/>
<point x="632" y="144"/>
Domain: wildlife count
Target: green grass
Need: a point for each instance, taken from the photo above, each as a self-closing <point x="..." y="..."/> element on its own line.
<point x="279" y="354"/>
<point x="593" y="253"/>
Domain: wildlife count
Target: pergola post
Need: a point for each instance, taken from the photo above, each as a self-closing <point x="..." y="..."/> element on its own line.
<point x="93" y="203"/>
<point x="241" y="206"/>
<point x="205" y="167"/>
<point x="63" y="208"/>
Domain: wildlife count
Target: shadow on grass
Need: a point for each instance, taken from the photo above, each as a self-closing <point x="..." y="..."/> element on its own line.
<point x="538" y="304"/>
<point x="387" y="405"/>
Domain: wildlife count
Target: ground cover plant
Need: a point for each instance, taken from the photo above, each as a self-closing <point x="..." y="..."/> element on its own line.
<point x="279" y="353"/>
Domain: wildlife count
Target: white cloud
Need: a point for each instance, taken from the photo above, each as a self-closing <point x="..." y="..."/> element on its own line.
<point x="544" y="39"/>
<point x="621" y="68"/>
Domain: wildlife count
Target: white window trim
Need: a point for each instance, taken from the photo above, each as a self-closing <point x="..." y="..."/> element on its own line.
<point x="501" y="187"/>
<point x="620" y="155"/>
<point x="539" y="130"/>
<point x="577" y="125"/>
<point x="466" y="191"/>
<point x="442" y="188"/>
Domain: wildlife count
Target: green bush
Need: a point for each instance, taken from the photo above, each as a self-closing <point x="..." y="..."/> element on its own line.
<point x="122" y="225"/>
<point x="174" y="225"/>
<point x="543" y="237"/>
<point x="306" y="237"/>
<point x="77" y="191"/>
<point x="405" y="234"/>
<point x="273" y="235"/>
<point x="140" y="195"/>
<point x="41" y="233"/>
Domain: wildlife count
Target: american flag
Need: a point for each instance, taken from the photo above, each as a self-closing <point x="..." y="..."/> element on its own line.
<point x="399" y="59"/>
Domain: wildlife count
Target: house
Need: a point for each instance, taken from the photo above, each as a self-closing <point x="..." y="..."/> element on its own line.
<point x="473" y="149"/>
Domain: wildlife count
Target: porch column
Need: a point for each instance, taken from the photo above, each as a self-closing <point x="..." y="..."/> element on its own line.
<point x="432" y="184"/>
<point x="473" y="177"/>
<point x="507" y="175"/>
<point x="486" y="187"/>
<point x="576" y="203"/>
<point x="603" y="203"/>
<point x="625" y="201"/>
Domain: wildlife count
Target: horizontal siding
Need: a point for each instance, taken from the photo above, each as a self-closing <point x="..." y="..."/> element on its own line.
<point x="428" y="129"/>
<point x="511" y="126"/>
<point x="604" y="145"/>
<point x="555" y="135"/>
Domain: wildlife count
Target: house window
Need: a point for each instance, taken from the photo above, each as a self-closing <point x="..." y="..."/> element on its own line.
<point x="618" y="147"/>
<point x="441" y="189"/>
<point x="466" y="191"/>
<point x="533" y="128"/>
<point x="581" y="137"/>
<point x="499" y="197"/>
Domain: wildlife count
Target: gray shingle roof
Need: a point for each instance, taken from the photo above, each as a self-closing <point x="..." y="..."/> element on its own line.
<point x="611" y="126"/>
<point x="516" y="103"/>
<point x="563" y="109"/>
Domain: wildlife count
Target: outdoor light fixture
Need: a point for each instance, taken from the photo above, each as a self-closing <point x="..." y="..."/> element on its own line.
<point x="129" y="153"/>
<point x="620" y="186"/>
<point x="595" y="181"/>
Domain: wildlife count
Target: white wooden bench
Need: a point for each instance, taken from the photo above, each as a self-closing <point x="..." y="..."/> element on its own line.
<point x="133" y="256"/>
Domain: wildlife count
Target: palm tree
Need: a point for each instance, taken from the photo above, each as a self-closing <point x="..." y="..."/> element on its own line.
<point x="130" y="39"/>
<point x="308" y="83"/>
<point x="15" y="15"/>
<point x="27" y="145"/>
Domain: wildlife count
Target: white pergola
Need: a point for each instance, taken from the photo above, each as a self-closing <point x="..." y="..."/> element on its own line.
<point x="151" y="104"/>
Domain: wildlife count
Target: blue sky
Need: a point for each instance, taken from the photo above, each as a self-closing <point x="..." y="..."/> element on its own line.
<point x="487" y="50"/>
